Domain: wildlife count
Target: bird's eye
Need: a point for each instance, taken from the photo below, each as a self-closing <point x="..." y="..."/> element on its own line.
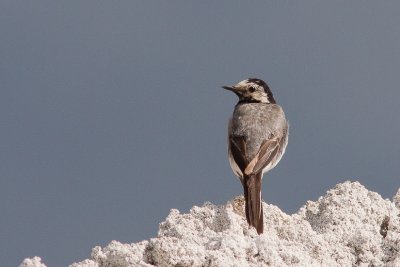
<point x="252" y="89"/>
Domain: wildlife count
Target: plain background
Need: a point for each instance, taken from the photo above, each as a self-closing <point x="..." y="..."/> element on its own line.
<point x="111" y="112"/>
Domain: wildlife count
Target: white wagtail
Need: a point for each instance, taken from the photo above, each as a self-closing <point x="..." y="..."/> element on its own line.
<point x="257" y="138"/>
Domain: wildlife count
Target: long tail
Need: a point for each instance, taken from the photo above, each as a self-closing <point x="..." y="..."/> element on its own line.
<point x="252" y="197"/>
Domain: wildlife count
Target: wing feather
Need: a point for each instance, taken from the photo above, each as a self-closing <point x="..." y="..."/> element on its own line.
<point x="266" y="154"/>
<point x="237" y="146"/>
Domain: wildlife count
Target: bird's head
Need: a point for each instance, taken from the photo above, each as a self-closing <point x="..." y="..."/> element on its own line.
<point x="252" y="90"/>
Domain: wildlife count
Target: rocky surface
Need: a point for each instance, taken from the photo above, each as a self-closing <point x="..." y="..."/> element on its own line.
<point x="349" y="226"/>
<point x="34" y="262"/>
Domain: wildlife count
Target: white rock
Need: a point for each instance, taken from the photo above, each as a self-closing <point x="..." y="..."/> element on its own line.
<point x="396" y="199"/>
<point x="85" y="263"/>
<point x="349" y="226"/>
<point x="117" y="254"/>
<point x="33" y="262"/>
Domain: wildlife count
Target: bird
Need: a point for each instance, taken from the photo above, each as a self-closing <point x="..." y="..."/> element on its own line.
<point x="258" y="134"/>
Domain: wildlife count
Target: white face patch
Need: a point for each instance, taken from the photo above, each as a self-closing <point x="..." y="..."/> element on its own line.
<point x="258" y="94"/>
<point x="243" y="83"/>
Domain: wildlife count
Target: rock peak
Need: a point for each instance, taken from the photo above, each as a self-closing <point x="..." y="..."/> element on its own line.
<point x="349" y="226"/>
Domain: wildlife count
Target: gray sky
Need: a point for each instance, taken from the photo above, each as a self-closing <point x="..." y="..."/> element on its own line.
<point x="111" y="112"/>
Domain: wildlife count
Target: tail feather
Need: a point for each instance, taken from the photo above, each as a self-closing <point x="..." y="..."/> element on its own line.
<point x="252" y="195"/>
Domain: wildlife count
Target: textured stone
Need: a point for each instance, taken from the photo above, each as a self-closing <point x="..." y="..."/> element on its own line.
<point x="349" y="226"/>
<point x="34" y="262"/>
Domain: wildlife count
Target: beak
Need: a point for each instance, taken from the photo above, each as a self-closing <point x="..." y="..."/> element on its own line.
<point x="230" y="88"/>
<point x="234" y="89"/>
